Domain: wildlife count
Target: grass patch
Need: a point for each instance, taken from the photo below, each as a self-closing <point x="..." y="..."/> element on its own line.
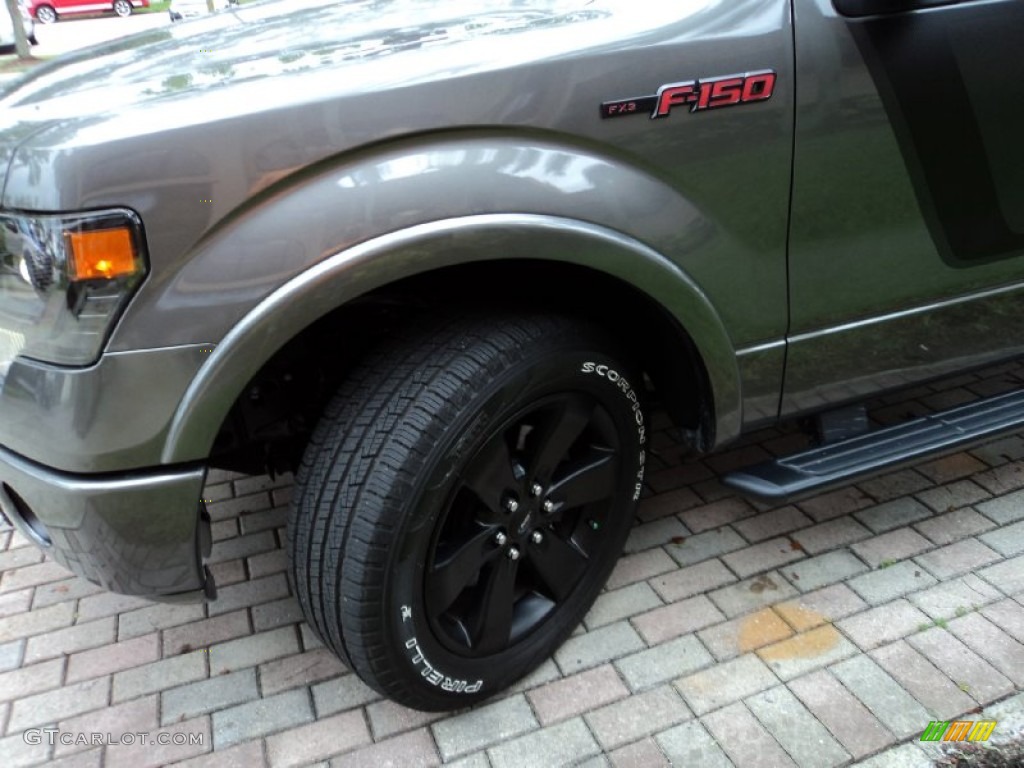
<point x="1008" y="754"/>
<point x="10" y="65"/>
<point x="158" y="6"/>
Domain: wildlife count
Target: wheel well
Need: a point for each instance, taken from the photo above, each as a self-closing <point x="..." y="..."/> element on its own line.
<point x="269" y="423"/>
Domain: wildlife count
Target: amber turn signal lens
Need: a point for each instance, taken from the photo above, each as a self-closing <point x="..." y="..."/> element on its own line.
<point x="100" y="253"/>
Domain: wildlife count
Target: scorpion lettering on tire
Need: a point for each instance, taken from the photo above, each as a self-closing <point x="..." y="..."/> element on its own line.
<point x="622" y="384"/>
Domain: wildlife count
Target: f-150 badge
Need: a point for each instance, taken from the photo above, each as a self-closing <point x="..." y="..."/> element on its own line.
<point x="698" y="95"/>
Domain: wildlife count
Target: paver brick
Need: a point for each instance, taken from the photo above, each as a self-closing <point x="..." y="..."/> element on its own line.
<point x="644" y="753"/>
<point x="261" y="717"/>
<point x="829" y="568"/>
<point x="640" y="715"/>
<point x="952" y="467"/>
<point x="892" y="546"/>
<point x="266" y="520"/>
<point x="962" y="557"/>
<point x="113" y="657"/>
<point x="18" y="753"/>
<point x="883" y="624"/>
<point x="63" y="642"/>
<point x="129" y="717"/>
<point x="34" y="678"/>
<point x="300" y="669"/>
<point x="992" y="644"/>
<point x="677" y="619"/>
<point x="1005" y="509"/>
<point x="669" y="503"/>
<point x="893" y="514"/>
<point x="663" y="662"/>
<point x="156" y="617"/>
<point x="597" y="647"/>
<point x="704" y="546"/>
<point x="203" y="634"/>
<point x="950" y="598"/>
<point x="410" y="750"/>
<point x="1008" y="616"/>
<point x="248" y="593"/>
<point x="105" y="604"/>
<point x="159" y="675"/>
<point x="318" y="740"/>
<point x="341" y="693"/>
<point x="952" y="497"/>
<point x="749" y="595"/>
<point x="894" y="484"/>
<point x="59" y="591"/>
<point x="689" y="743"/>
<point x="204" y="696"/>
<point x="797" y="730"/>
<point x="807" y="651"/>
<point x="654" y="534"/>
<point x="833" y="504"/>
<point x="775" y="522"/>
<point x="32" y="575"/>
<point x="227" y="573"/>
<point x="266" y="563"/>
<point x="35" y="622"/>
<point x="388" y="718"/>
<point x="276" y="613"/>
<point x="252" y="650"/>
<point x="744" y="634"/>
<point x="230" y="508"/>
<point x="621" y="604"/>
<point x="970" y="672"/>
<point x="48" y="707"/>
<point x="882" y="695"/>
<point x="246" y="755"/>
<point x="242" y="546"/>
<point x="15" y="602"/>
<point x="923" y="681"/>
<point x="195" y="740"/>
<point x="1007" y="541"/>
<point x="571" y="696"/>
<point x="820" y="607"/>
<point x="888" y="583"/>
<point x="1007" y="575"/>
<point x="745" y="741"/>
<point x="903" y="756"/>
<point x="639" y="567"/>
<point x="849" y="721"/>
<point x="831" y="535"/>
<point x="763" y="556"/>
<point x="716" y="514"/>
<point x="564" y="744"/>
<point x="483" y="726"/>
<point x="725" y="683"/>
<point x="1002" y="479"/>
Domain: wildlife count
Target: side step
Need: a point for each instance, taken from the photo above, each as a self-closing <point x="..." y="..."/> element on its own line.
<point x="838" y="463"/>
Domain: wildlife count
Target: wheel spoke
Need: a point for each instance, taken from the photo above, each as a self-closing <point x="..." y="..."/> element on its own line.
<point x="452" y="574"/>
<point x="587" y="480"/>
<point x="491" y="628"/>
<point x="558" y="433"/>
<point x="490" y="475"/>
<point x="559" y="565"/>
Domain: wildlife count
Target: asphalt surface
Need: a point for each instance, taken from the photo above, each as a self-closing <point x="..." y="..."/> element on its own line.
<point x="70" y="33"/>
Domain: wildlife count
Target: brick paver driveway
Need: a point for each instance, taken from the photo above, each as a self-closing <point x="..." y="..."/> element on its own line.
<point x="822" y="633"/>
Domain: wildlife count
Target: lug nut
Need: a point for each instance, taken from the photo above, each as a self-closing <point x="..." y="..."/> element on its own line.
<point x="513" y="554"/>
<point x="536" y="489"/>
<point x="501" y="539"/>
<point x="511" y="505"/>
<point x="549" y="506"/>
<point x="536" y="537"/>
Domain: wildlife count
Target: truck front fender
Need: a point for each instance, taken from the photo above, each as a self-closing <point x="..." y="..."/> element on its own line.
<point x="361" y="268"/>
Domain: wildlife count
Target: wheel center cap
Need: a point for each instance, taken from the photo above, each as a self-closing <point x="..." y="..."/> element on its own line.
<point x="524" y="524"/>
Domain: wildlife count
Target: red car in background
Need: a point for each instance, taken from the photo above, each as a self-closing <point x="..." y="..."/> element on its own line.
<point x="48" y="11"/>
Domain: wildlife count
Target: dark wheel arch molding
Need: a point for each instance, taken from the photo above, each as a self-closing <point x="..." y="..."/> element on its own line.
<point x="380" y="261"/>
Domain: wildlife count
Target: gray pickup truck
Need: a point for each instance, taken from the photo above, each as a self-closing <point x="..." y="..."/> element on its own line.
<point x="438" y="258"/>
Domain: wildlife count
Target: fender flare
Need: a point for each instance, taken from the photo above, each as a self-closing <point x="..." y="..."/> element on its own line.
<point x="374" y="263"/>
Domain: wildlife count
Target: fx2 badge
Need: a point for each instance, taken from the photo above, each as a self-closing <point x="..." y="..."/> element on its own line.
<point x="698" y="95"/>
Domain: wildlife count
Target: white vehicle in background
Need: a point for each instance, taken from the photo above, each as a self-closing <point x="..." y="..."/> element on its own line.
<point x="190" y="9"/>
<point x="7" y="27"/>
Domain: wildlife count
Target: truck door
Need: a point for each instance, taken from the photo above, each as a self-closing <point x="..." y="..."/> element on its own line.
<point x="907" y="234"/>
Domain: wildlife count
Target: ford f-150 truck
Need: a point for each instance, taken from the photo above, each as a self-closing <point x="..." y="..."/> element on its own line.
<point x="437" y="258"/>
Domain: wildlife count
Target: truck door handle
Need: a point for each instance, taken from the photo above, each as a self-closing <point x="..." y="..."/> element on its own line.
<point x="884" y="7"/>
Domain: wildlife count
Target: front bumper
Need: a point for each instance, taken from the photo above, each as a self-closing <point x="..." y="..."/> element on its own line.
<point x="140" y="533"/>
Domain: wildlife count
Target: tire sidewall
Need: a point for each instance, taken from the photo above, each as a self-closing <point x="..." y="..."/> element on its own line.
<point x="442" y="677"/>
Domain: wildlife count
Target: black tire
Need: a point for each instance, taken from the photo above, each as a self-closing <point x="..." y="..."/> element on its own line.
<point x="45" y="14"/>
<point x="400" y="537"/>
<point x="123" y="8"/>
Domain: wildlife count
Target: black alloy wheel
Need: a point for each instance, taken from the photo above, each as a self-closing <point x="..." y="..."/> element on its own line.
<point x="463" y="500"/>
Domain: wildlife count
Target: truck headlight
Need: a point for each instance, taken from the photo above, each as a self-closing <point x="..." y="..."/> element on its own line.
<point x="64" y="280"/>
